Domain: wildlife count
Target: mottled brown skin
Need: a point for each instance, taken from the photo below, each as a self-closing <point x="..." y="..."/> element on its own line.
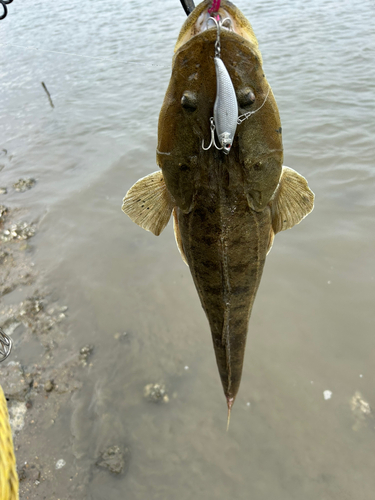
<point x="222" y="210"/>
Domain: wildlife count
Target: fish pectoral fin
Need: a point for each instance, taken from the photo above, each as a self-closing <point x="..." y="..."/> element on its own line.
<point x="148" y="203"/>
<point x="291" y="201"/>
<point x="177" y="235"/>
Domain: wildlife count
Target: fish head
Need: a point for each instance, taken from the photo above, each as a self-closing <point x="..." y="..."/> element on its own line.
<point x="201" y="20"/>
<point x="184" y="121"/>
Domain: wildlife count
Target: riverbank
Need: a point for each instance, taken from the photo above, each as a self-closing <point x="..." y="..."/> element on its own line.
<point x="42" y="372"/>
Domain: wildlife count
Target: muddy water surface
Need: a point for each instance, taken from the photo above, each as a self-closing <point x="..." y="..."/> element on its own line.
<point x="312" y="328"/>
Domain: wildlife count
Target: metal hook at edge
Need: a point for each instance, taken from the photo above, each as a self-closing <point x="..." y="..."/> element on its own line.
<point x="6" y="344"/>
<point x="188" y="6"/>
<point x="4" y="4"/>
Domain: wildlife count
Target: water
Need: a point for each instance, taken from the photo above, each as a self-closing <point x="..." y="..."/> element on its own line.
<point x="312" y="323"/>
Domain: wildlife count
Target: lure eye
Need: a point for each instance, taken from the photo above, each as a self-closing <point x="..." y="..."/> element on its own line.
<point x="189" y="101"/>
<point x="226" y="148"/>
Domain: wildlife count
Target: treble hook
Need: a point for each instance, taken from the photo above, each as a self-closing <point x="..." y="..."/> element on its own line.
<point x="219" y="24"/>
<point x="6" y="345"/>
<point x="212" y="127"/>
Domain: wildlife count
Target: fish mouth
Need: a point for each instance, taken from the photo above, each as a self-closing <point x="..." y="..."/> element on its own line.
<point x="200" y="20"/>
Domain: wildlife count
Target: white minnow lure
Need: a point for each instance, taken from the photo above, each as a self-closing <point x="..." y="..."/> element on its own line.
<point x="225" y="108"/>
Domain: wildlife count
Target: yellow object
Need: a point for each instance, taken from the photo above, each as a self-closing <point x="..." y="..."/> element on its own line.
<point x="8" y="474"/>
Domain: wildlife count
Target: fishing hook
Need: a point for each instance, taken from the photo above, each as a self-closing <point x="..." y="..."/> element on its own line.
<point x="219" y="24"/>
<point x="212" y="127"/>
<point x="4" y="3"/>
<point x="6" y="345"/>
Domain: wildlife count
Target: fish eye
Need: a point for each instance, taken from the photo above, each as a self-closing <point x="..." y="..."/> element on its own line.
<point x="189" y="100"/>
<point x="246" y="97"/>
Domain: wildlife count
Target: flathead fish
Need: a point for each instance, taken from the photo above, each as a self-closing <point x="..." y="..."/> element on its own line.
<point x="227" y="205"/>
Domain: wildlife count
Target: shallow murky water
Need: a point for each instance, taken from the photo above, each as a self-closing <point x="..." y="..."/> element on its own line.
<point x="312" y="327"/>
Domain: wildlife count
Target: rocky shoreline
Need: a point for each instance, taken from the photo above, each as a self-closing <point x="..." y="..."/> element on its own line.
<point x="42" y="372"/>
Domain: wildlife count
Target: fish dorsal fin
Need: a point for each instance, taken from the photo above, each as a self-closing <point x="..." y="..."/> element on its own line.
<point x="291" y="201"/>
<point x="177" y="235"/>
<point x="148" y="203"/>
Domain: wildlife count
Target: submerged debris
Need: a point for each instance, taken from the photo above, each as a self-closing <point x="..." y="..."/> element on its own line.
<point x="19" y="231"/>
<point x="14" y="382"/>
<point x="60" y="464"/>
<point x="327" y="394"/>
<point x="17" y="412"/>
<point x="115" y="460"/>
<point x="3" y="190"/>
<point x="156" y="393"/>
<point x="49" y="385"/>
<point x="29" y="471"/>
<point x="31" y="306"/>
<point x="15" y="265"/>
<point x="32" y="314"/>
<point x="359" y="405"/>
<point x="84" y="353"/>
<point x="121" y="335"/>
<point x="24" y="184"/>
<point x="361" y="410"/>
<point x="3" y="212"/>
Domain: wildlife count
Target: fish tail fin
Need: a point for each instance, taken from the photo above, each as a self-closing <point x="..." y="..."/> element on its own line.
<point x="230" y="402"/>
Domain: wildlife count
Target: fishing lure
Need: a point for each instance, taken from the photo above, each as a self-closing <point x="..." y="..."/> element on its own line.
<point x="225" y="107"/>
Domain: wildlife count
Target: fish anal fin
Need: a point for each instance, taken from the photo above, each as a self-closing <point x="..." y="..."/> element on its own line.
<point x="148" y="203"/>
<point x="177" y="235"/>
<point x="270" y="241"/>
<point x="291" y="201"/>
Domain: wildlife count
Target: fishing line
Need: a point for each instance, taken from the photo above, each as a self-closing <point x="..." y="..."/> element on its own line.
<point x="123" y="61"/>
<point x="245" y="116"/>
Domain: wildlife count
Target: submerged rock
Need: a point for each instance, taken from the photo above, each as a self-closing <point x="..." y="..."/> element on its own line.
<point x="84" y="353"/>
<point x="362" y="412"/>
<point x="24" y="184"/>
<point x="49" y="385"/>
<point x="115" y="460"/>
<point x="14" y="381"/>
<point x="17" y="411"/>
<point x="3" y="212"/>
<point x="19" y="231"/>
<point x="156" y="393"/>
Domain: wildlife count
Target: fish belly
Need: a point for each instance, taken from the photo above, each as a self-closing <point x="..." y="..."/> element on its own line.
<point x="225" y="243"/>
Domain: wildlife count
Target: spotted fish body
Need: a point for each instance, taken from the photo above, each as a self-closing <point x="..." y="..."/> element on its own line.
<point x="225" y="108"/>
<point x="226" y="207"/>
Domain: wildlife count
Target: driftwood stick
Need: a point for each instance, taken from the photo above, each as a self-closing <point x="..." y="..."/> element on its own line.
<point x="48" y="94"/>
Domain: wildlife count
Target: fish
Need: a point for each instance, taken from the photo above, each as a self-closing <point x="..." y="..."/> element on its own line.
<point x="226" y="206"/>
